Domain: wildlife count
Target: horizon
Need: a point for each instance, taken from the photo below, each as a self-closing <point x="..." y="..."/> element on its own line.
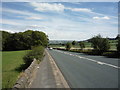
<point x="62" y="20"/>
<point x="61" y="39"/>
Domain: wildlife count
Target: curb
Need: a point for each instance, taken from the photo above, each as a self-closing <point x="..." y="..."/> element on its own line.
<point x="58" y="74"/>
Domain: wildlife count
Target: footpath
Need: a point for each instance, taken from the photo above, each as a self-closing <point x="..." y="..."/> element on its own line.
<point x="48" y="75"/>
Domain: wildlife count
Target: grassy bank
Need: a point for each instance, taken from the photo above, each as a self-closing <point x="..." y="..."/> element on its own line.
<point x="11" y="60"/>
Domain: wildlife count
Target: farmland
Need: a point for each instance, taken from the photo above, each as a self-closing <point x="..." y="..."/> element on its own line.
<point x="11" y="60"/>
<point x="87" y="45"/>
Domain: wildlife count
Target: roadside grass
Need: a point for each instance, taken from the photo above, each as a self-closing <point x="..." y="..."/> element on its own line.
<point x="10" y="61"/>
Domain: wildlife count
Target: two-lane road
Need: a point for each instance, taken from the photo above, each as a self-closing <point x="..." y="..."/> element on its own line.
<point x="85" y="71"/>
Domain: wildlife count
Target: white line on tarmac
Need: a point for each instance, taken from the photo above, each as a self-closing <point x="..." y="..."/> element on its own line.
<point x="98" y="62"/>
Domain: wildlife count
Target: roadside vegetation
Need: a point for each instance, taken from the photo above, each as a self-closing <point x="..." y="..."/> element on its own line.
<point x="19" y="50"/>
<point x="36" y="53"/>
<point x="11" y="61"/>
<point x="68" y="46"/>
<point x="100" y="44"/>
<point x="96" y="45"/>
<point x="23" y="40"/>
<point x="82" y="45"/>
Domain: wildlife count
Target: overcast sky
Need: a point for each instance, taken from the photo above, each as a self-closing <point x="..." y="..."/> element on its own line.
<point x="62" y="21"/>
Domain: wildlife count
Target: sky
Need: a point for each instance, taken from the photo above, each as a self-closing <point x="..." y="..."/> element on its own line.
<point x="61" y="20"/>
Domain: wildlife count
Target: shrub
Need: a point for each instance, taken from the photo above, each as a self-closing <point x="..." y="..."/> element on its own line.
<point x="74" y="42"/>
<point x="36" y="53"/>
<point x="82" y="45"/>
<point x="118" y="45"/>
<point x="68" y="46"/>
<point x="112" y="54"/>
<point x="100" y="44"/>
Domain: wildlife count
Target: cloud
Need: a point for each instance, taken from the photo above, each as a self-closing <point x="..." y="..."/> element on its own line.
<point x="80" y="9"/>
<point x="57" y="27"/>
<point x="36" y="27"/>
<point x="106" y="17"/>
<point x="15" y="11"/>
<point x="69" y="30"/>
<point x="48" y="7"/>
<point x="100" y="18"/>
<point x="56" y="7"/>
<point x="9" y="22"/>
<point x="24" y="13"/>
<point x="35" y="18"/>
<point x="11" y="31"/>
<point x="60" y="1"/>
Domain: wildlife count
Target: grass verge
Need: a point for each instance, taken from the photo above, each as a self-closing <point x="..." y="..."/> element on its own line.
<point x="10" y="61"/>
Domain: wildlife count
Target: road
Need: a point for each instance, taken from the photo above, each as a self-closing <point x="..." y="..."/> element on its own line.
<point x="86" y="71"/>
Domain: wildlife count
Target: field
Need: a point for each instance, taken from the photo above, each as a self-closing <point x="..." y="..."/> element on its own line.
<point x="87" y="45"/>
<point x="11" y="60"/>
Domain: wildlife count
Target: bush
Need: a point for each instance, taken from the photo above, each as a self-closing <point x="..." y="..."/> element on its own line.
<point x="74" y="42"/>
<point x="68" y="46"/>
<point x="100" y="44"/>
<point x="113" y="54"/>
<point x="82" y="45"/>
<point x="118" y="45"/>
<point x="36" y="53"/>
<point x="81" y="51"/>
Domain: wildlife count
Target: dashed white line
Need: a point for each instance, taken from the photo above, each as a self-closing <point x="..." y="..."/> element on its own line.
<point x="98" y="62"/>
<point x="101" y="63"/>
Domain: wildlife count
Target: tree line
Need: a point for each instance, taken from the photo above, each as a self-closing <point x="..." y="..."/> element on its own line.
<point x="99" y="44"/>
<point x="23" y="40"/>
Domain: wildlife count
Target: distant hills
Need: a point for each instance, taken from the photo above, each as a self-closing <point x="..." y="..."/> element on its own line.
<point x="65" y="41"/>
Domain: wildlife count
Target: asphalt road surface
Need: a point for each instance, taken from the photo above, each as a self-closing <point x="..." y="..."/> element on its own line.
<point x="86" y="71"/>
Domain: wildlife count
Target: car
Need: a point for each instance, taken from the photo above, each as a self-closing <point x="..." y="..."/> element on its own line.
<point x="50" y="48"/>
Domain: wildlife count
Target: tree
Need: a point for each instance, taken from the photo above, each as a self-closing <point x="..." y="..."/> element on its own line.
<point x="68" y="46"/>
<point x="63" y="44"/>
<point x="100" y="44"/>
<point x="82" y="45"/>
<point x="74" y="42"/>
<point x="118" y="45"/>
<point x="5" y="38"/>
<point x="23" y="40"/>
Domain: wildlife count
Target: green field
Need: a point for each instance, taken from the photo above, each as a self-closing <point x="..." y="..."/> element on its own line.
<point x="11" y="60"/>
<point x="87" y="45"/>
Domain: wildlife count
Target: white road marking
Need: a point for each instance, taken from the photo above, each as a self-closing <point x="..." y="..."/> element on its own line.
<point x="101" y="63"/>
<point x="98" y="62"/>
